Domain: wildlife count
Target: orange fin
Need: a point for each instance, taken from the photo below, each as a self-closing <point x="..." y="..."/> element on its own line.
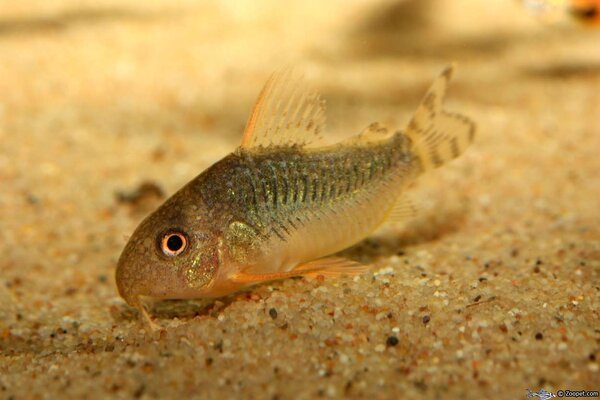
<point x="287" y="113"/>
<point x="329" y="266"/>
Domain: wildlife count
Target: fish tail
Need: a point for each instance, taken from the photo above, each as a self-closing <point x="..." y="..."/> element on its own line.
<point x="438" y="136"/>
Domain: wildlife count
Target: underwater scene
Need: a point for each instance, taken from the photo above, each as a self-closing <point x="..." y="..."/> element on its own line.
<point x="238" y="199"/>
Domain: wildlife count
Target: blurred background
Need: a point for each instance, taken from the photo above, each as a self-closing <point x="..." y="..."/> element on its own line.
<point x="108" y="107"/>
<point x="100" y="97"/>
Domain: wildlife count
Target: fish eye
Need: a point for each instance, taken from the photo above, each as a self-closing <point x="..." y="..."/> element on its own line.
<point x="173" y="244"/>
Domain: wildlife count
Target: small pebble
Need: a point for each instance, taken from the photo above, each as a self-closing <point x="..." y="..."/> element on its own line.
<point x="426" y="319"/>
<point x="562" y="346"/>
<point x="32" y="199"/>
<point x="273" y="313"/>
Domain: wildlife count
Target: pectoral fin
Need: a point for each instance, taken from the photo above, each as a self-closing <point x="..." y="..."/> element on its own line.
<point x="329" y="266"/>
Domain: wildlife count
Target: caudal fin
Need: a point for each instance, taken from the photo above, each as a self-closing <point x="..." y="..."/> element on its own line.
<point x="437" y="135"/>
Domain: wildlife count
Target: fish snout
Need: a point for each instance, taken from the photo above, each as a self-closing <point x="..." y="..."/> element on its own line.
<point x="127" y="285"/>
<point x="129" y="276"/>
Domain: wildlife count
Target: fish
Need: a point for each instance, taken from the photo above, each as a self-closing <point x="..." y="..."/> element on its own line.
<point x="284" y="201"/>
<point x="585" y="12"/>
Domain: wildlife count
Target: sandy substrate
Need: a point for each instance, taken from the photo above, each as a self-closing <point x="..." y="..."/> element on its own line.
<point x="494" y="288"/>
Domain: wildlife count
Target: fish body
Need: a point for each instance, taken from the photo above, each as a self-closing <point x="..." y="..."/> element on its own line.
<point x="281" y="202"/>
<point x="285" y="206"/>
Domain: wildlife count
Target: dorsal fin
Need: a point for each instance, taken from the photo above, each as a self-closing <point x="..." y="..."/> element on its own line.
<point x="286" y="113"/>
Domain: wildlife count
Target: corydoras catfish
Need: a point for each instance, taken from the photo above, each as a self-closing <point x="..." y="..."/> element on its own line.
<point x="282" y="203"/>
